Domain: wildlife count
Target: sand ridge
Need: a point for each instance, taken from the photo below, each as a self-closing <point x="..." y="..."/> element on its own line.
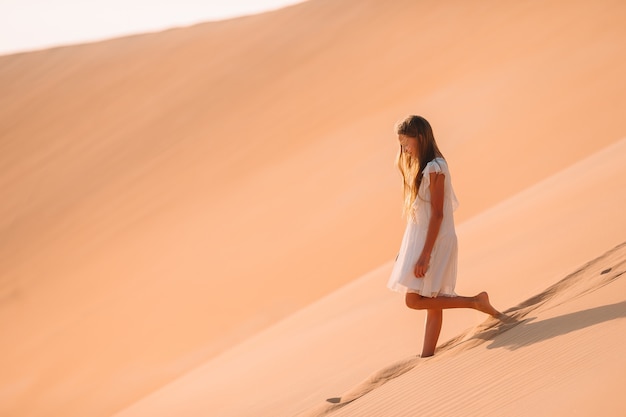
<point x="364" y="311"/>
<point x="590" y="277"/>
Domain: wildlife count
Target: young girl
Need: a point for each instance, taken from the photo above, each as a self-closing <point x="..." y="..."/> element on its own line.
<point x="426" y="265"/>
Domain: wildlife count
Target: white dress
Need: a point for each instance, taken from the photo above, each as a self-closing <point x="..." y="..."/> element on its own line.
<point x="440" y="278"/>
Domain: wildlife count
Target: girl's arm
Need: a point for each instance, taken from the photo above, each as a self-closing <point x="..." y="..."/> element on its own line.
<point x="437" y="182"/>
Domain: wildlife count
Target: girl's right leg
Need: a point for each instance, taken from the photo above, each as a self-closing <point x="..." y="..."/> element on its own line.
<point x="434" y="316"/>
<point x="479" y="302"/>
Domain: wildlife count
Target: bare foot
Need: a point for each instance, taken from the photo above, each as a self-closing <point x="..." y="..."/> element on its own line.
<point x="483" y="304"/>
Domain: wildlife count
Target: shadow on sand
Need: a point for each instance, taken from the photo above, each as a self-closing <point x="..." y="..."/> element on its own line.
<point x="529" y="332"/>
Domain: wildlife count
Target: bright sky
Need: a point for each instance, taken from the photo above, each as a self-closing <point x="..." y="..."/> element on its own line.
<point x="37" y="24"/>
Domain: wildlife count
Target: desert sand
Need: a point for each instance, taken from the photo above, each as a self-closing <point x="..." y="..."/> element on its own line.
<point x="202" y="221"/>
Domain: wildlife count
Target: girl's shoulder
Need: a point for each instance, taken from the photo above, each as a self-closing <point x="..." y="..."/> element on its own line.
<point x="438" y="164"/>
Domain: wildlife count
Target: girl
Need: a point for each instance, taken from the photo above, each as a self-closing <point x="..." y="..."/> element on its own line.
<point x="425" y="268"/>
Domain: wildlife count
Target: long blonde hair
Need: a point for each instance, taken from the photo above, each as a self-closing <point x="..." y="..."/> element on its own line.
<point x="418" y="128"/>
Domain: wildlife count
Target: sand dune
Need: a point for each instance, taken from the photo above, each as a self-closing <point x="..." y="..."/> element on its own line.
<point x="167" y="196"/>
<point x="568" y="338"/>
<point x="570" y="344"/>
<point x="341" y="340"/>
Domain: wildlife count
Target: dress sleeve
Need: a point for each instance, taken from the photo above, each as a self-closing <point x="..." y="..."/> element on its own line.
<point x="439" y="166"/>
<point x="431" y="167"/>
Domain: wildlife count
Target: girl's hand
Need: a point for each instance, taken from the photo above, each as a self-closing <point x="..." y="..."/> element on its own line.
<point x="422" y="265"/>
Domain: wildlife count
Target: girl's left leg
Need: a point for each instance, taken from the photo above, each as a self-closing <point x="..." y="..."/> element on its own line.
<point x="434" y="319"/>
